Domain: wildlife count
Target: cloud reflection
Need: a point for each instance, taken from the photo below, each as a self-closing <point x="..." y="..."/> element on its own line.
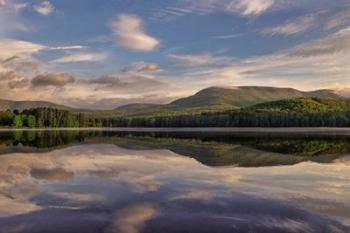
<point x="126" y="190"/>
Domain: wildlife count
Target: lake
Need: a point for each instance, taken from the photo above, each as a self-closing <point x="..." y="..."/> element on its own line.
<point x="169" y="182"/>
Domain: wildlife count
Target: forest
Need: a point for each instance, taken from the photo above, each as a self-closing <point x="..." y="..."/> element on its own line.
<point x="301" y="112"/>
<point x="47" y="118"/>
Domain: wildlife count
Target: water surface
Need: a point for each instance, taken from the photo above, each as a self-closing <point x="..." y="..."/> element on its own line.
<point x="106" y="181"/>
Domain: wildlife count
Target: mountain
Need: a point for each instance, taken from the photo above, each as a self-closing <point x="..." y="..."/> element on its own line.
<point x="246" y="96"/>
<point x="211" y="99"/>
<point x="215" y="99"/>
<point x="21" y="105"/>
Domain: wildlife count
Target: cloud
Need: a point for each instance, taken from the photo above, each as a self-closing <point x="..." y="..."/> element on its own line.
<point x="339" y="19"/>
<point x="322" y="63"/>
<point x="21" y="65"/>
<point x="10" y="18"/>
<point x="70" y="47"/>
<point x="44" y="8"/>
<point x="244" y="8"/>
<point x="128" y="32"/>
<point x="56" y="80"/>
<point x="229" y="36"/>
<point x="56" y="174"/>
<point x="80" y="57"/>
<point x="13" y="80"/>
<point x="149" y="68"/>
<point x="193" y="194"/>
<point x="142" y="67"/>
<point x="11" y="47"/>
<point x="251" y="7"/>
<point x="132" y="218"/>
<point x="108" y="80"/>
<point x="296" y="26"/>
<point x="193" y="60"/>
<point x="335" y="43"/>
<point x="20" y="6"/>
<point x="14" y="7"/>
<point x="127" y="82"/>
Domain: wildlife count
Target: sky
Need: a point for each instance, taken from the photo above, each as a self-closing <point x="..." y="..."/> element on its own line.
<point x="103" y="54"/>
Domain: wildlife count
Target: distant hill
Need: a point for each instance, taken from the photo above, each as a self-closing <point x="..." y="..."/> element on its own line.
<point x="220" y="99"/>
<point x="21" y="105"/>
<point x="303" y="105"/>
<point x="211" y="99"/>
<point x="247" y="95"/>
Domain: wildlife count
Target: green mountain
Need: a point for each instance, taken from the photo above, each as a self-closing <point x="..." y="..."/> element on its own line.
<point x="212" y="99"/>
<point x="216" y="99"/>
<point x="247" y="95"/>
<point x="309" y="105"/>
<point x="21" y="105"/>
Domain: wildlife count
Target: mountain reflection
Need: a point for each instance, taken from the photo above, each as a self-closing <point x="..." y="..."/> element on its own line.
<point x="209" y="149"/>
<point x="95" y="186"/>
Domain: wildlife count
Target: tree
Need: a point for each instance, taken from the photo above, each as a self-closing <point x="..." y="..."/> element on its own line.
<point x="30" y="121"/>
<point x="17" y="121"/>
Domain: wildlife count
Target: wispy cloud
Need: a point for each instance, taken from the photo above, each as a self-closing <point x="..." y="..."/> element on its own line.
<point x="340" y="19"/>
<point x="250" y="7"/>
<point x="129" y="32"/>
<point x="320" y="63"/>
<point x="69" y="47"/>
<point x="193" y="60"/>
<point x="81" y="57"/>
<point x="245" y="8"/>
<point x="338" y="42"/>
<point x="10" y="19"/>
<point x="11" y="47"/>
<point x="44" y="8"/>
<point x="292" y="27"/>
<point x="228" y="36"/>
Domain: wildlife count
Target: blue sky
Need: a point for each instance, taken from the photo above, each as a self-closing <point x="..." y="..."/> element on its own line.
<point x="101" y="54"/>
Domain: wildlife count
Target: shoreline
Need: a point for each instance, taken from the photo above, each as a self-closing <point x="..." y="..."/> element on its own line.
<point x="317" y="130"/>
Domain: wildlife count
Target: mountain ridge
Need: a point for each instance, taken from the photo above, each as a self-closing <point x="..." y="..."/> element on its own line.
<point x="214" y="98"/>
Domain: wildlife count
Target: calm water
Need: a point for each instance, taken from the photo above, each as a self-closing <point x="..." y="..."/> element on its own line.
<point x="106" y="182"/>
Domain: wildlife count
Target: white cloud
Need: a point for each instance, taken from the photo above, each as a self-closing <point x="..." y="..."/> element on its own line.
<point x="10" y="48"/>
<point x="129" y="32"/>
<point x="251" y="7"/>
<point x="228" y="36"/>
<point x="81" y="57"/>
<point x="293" y="27"/>
<point x="132" y="218"/>
<point x="70" y="47"/>
<point x="241" y="7"/>
<point x="44" y="8"/>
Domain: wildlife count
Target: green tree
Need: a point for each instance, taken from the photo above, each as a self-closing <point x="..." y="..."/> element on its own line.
<point x="17" y="121"/>
<point x="30" y="121"/>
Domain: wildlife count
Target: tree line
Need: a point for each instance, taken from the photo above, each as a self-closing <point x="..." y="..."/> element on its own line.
<point x="47" y="118"/>
<point x="54" y="118"/>
<point x="238" y="118"/>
